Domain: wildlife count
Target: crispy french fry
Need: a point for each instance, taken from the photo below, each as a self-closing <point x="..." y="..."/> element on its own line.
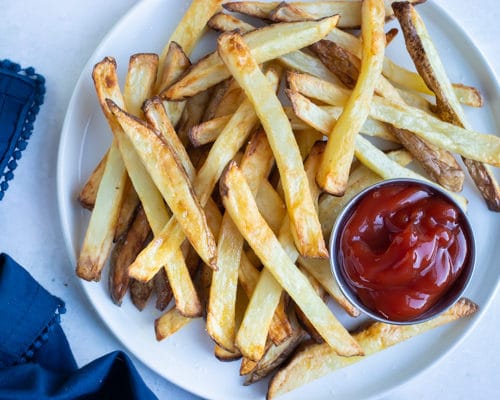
<point x="223" y="150"/>
<point x="473" y="145"/>
<point x="240" y="204"/>
<point x="207" y="131"/>
<point x="130" y="202"/>
<point x="88" y="194"/>
<point x="190" y="29"/>
<point x="140" y="293"/>
<point x="350" y="11"/>
<point x="141" y="76"/>
<point x="265" y="44"/>
<point x="430" y="67"/>
<point x="221" y="322"/>
<point x="172" y="181"/>
<point x="324" y="118"/>
<point x="316" y="360"/>
<point x="169" y="323"/>
<point x="124" y="252"/>
<point x="304" y="221"/>
<point x="439" y="164"/>
<point x="295" y="60"/>
<point x="276" y="355"/>
<point x="334" y="170"/>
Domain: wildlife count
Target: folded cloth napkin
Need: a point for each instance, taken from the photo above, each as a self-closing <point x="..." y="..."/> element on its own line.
<point x="35" y="358"/>
<point x="21" y="95"/>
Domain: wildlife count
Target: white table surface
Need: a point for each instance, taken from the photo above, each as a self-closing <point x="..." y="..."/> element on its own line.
<point x="57" y="38"/>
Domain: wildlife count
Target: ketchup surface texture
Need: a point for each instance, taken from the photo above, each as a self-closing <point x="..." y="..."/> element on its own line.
<point x="402" y="248"/>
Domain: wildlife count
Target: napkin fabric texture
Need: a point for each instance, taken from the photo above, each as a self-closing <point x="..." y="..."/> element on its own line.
<point x="21" y="95"/>
<point x="35" y="358"/>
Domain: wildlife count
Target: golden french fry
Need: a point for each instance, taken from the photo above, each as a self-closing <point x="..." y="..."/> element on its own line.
<point x="88" y="194"/>
<point x="172" y="182"/>
<point x="124" y="252"/>
<point x="430" y="67"/>
<point x="350" y="11"/>
<point x="190" y="29"/>
<point x="316" y="360"/>
<point x="221" y="321"/>
<point x="139" y="84"/>
<point x="334" y="170"/>
<point x="304" y="221"/>
<point x="130" y="202"/>
<point x="265" y="44"/>
<point x="324" y="118"/>
<point x="169" y="323"/>
<point x="223" y="150"/>
<point x="239" y="203"/>
<point x="295" y="60"/>
<point x="470" y="144"/>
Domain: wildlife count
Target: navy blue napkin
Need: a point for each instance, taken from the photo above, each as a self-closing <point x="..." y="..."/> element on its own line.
<point x="36" y="361"/>
<point x="21" y="95"/>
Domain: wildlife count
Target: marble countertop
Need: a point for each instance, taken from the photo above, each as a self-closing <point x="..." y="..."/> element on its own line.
<point x="57" y="38"/>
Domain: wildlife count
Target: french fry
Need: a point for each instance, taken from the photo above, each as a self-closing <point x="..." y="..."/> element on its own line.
<point x="295" y="60"/>
<point x="124" y="252"/>
<point x="169" y="323"/>
<point x="439" y="164"/>
<point x="174" y="65"/>
<point x="221" y="322"/>
<point x="240" y="204"/>
<point x="251" y="337"/>
<point x="334" y="170"/>
<point x="130" y="202"/>
<point x="190" y="29"/>
<point x="324" y="118"/>
<point x="265" y="44"/>
<point x="473" y="145"/>
<point x="140" y="293"/>
<point x="207" y="131"/>
<point x="349" y="10"/>
<point x="276" y="355"/>
<point x="317" y="360"/>
<point x="172" y="182"/>
<point x="430" y="67"/>
<point x="88" y="194"/>
<point x="304" y="221"/>
<point x="223" y="150"/>
<point x="270" y="205"/>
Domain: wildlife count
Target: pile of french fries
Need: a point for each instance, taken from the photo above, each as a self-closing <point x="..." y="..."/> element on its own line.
<point x="221" y="185"/>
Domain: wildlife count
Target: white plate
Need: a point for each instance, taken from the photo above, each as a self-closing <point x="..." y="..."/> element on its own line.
<point x="186" y="358"/>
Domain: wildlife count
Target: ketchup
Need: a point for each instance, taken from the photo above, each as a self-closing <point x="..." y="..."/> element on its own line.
<point x="402" y="248"/>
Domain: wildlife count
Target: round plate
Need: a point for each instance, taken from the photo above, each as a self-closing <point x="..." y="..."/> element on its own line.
<point x="186" y="358"/>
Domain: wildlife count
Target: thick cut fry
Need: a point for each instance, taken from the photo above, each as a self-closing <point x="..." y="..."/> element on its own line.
<point x="223" y="150"/>
<point x="334" y="170"/>
<point x="190" y="29"/>
<point x="207" y="131"/>
<point x="470" y="144"/>
<point x="239" y="203"/>
<point x="175" y="64"/>
<point x="276" y="355"/>
<point x="221" y="324"/>
<point x="169" y="323"/>
<point x="316" y="360"/>
<point x="172" y="181"/>
<point x="100" y="231"/>
<point x="324" y="118"/>
<point x="130" y="202"/>
<point x="88" y="194"/>
<point x="265" y="44"/>
<point x="141" y="76"/>
<point x="107" y="87"/>
<point x="251" y="338"/>
<point x="350" y="11"/>
<point x="438" y="163"/>
<point x="304" y="221"/>
<point x="467" y="95"/>
<point x="430" y="67"/>
<point x="124" y="252"/>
